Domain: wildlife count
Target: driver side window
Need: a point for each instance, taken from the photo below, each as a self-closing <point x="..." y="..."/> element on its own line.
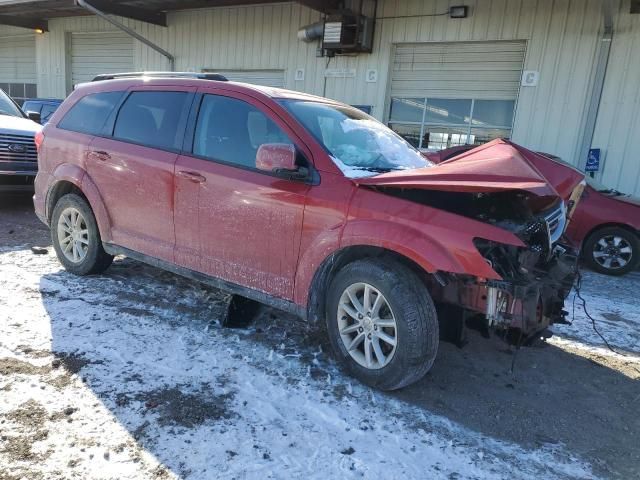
<point x="231" y="131"/>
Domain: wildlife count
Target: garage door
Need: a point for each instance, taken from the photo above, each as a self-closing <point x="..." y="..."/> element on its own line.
<point x="96" y="53"/>
<point x="18" y="66"/>
<point x="268" y="78"/>
<point x="447" y="94"/>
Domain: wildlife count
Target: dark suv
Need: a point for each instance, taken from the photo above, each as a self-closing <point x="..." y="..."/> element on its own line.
<point x="41" y="108"/>
<point x="311" y="206"/>
<point x="18" y="157"/>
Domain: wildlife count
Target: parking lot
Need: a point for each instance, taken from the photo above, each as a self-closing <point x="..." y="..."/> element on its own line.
<point x="128" y="375"/>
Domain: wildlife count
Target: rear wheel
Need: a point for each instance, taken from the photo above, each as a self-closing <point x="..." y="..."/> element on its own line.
<point x="612" y="251"/>
<point x="76" y="238"/>
<point x="382" y="323"/>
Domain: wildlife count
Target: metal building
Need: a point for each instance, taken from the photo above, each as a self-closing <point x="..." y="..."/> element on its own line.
<point x="560" y="76"/>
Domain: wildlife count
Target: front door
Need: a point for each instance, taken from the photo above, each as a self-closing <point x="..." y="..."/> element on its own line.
<point x="249" y="222"/>
<point x="134" y="169"/>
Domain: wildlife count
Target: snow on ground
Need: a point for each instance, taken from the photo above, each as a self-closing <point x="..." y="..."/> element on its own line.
<point x="614" y="304"/>
<point x="125" y="376"/>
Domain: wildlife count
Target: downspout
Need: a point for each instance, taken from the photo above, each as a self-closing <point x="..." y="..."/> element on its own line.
<point x="598" y="85"/>
<point x="129" y="31"/>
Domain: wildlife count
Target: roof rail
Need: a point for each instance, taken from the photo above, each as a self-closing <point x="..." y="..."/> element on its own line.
<point x="202" y="76"/>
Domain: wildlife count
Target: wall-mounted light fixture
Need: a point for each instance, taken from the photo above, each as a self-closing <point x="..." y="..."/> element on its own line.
<point x="38" y="30"/>
<point x="460" y="11"/>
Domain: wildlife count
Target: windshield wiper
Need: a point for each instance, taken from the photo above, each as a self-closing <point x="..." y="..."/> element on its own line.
<point x="376" y="169"/>
<point x="612" y="192"/>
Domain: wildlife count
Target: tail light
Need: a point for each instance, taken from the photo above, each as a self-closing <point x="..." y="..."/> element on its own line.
<point x="38" y="139"/>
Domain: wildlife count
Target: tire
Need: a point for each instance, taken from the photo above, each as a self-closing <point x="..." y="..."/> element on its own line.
<point x="408" y="304"/>
<point x="87" y="255"/>
<point x="612" y="251"/>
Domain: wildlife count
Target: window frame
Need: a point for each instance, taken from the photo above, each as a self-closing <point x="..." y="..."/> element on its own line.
<point x="469" y="127"/>
<point x="109" y="126"/>
<point x="313" y="177"/>
<point x="99" y="132"/>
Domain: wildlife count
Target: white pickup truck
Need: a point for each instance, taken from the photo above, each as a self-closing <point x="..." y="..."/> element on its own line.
<point x="18" y="156"/>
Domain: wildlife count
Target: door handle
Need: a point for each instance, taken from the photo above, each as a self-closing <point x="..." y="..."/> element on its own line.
<point x="192" y="176"/>
<point x="100" y="155"/>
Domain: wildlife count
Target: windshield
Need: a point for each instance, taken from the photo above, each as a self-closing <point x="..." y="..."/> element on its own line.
<point x="358" y="144"/>
<point x="7" y="107"/>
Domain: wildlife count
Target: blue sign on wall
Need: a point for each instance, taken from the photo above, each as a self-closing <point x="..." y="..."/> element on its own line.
<point x="593" y="160"/>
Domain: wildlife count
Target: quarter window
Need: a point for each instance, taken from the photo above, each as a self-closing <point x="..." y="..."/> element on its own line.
<point x="438" y="123"/>
<point x="90" y="113"/>
<point x="152" y="119"/>
<point x="231" y="131"/>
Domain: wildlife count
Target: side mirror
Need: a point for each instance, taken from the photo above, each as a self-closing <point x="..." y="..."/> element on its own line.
<point x="35" y="116"/>
<point x="279" y="158"/>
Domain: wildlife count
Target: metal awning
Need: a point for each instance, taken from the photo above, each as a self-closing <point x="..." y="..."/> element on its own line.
<point x="35" y="14"/>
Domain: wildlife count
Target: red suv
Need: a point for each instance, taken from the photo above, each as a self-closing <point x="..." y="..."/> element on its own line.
<point x="311" y="206"/>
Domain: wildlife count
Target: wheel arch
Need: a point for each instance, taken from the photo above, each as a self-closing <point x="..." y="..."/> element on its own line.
<point x="338" y="259"/>
<point x="72" y="179"/>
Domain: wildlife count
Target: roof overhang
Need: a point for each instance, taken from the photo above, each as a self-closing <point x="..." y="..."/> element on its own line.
<point x="34" y="14"/>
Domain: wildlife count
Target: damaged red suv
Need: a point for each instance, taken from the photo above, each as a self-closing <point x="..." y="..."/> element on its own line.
<point x="310" y="206"/>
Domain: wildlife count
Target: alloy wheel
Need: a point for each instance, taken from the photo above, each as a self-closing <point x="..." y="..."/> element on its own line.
<point x="73" y="235"/>
<point x="367" y="326"/>
<point x="612" y="252"/>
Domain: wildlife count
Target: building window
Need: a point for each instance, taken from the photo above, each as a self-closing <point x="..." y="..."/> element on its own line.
<point x="20" y="91"/>
<point x="439" y="123"/>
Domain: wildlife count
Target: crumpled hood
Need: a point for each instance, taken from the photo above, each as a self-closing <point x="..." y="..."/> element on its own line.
<point x="17" y="125"/>
<point x="493" y="167"/>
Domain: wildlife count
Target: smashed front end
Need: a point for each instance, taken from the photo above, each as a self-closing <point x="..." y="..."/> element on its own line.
<point x="513" y="189"/>
<point x="536" y="278"/>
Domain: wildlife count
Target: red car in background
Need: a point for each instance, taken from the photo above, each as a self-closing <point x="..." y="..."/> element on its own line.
<point x="605" y="225"/>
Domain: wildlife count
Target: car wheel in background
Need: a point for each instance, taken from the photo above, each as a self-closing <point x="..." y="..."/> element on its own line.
<point x="76" y="238"/>
<point x="382" y="323"/>
<point x="612" y="251"/>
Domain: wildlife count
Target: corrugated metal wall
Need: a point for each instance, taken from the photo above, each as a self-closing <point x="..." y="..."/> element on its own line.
<point x="561" y="37"/>
<point x="618" y="125"/>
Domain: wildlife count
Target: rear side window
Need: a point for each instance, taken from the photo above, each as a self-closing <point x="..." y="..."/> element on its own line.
<point x="152" y="119"/>
<point x="90" y="113"/>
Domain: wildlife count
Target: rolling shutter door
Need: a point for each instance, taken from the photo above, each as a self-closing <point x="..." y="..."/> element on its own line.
<point x="268" y="78"/>
<point x="96" y="53"/>
<point x="18" y="59"/>
<point x="18" y="75"/>
<point x="480" y="70"/>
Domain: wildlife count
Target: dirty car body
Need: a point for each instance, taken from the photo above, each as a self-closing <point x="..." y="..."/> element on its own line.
<point x="290" y="199"/>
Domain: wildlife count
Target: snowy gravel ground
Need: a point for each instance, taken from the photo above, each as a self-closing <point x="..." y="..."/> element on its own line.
<point x="127" y="375"/>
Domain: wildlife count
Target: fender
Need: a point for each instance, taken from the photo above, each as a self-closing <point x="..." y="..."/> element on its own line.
<point x="81" y="179"/>
<point x="422" y="246"/>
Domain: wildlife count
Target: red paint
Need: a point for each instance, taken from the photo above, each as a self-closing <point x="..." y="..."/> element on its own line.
<point x="495" y="166"/>
<point x="274" y="156"/>
<point x="597" y="209"/>
<point x="261" y="231"/>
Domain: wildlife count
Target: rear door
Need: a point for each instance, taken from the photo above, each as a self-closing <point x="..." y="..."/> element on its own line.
<point x="132" y="165"/>
<point x="249" y="222"/>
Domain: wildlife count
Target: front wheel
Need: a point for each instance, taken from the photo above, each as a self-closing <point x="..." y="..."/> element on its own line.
<point x="76" y="238"/>
<point x="612" y="251"/>
<point x="382" y="323"/>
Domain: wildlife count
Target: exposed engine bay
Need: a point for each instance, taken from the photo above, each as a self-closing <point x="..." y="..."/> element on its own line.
<point x="535" y="279"/>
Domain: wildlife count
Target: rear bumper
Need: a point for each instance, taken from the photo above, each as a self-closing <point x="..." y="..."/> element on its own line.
<point x="41" y="189"/>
